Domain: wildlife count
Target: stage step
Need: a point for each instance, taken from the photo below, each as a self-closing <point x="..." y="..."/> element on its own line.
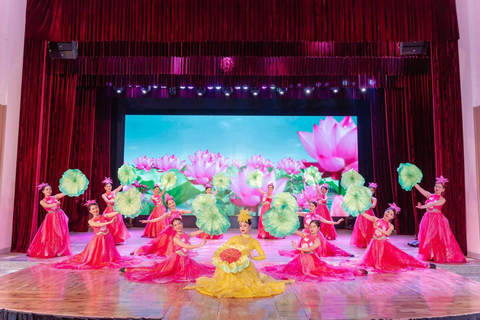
<point x="469" y="270"/>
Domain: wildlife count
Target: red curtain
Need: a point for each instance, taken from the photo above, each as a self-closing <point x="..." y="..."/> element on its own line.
<point x="66" y="115"/>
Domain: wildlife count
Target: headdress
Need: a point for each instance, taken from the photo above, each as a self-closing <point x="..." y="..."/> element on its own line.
<point x="395" y="207"/>
<point x="441" y="180"/>
<point x="270" y="185"/>
<point x="107" y="181"/>
<point x="372" y="185"/>
<point x="244" y="216"/>
<point x="89" y="202"/>
<point x="208" y="185"/>
<point x="168" y="197"/>
<point x="158" y="185"/>
<point x="41" y="185"/>
<point x="324" y="185"/>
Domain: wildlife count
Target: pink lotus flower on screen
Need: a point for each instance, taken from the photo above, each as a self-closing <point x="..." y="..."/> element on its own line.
<point x="310" y="193"/>
<point x="336" y="209"/>
<point x="167" y="162"/>
<point x="247" y="196"/>
<point x="301" y="201"/>
<point x="333" y="145"/>
<point x="204" y="166"/>
<point x="290" y="166"/>
<point x="236" y="163"/>
<point x="143" y="163"/>
<point x="259" y="162"/>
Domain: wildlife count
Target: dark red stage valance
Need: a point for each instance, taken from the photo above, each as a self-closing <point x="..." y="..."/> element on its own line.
<point x="242" y="20"/>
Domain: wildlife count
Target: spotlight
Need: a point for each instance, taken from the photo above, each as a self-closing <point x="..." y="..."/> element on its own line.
<point x="172" y="91"/>
<point x="255" y="91"/>
<point x="218" y="87"/>
<point x="137" y="86"/>
<point x="182" y="87"/>
<point x="119" y="90"/>
<point x="163" y="87"/>
<point x="245" y="87"/>
<point x="191" y="87"/>
<point x="145" y="90"/>
<point x="308" y="90"/>
<point x="364" y="89"/>
<point x="210" y="88"/>
<point x="318" y="84"/>
<point x="345" y="83"/>
<point x="155" y="86"/>
<point x="264" y="87"/>
<point x="238" y="87"/>
<point x="129" y="85"/>
<point x="282" y="90"/>
<point x="335" y="90"/>
<point x="371" y="82"/>
<point x="228" y="91"/>
<point x="272" y="86"/>
<point x="299" y="85"/>
<point x="200" y="91"/>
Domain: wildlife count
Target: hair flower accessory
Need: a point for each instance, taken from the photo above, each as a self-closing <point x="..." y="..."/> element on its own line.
<point x="395" y="207"/>
<point x="373" y="185"/>
<point x="89" y="202"/>
<point x="244" y="216"/>
<point x="107" y="180"/>
<point x="41" y="185"/>
<point x="441" y="180"/>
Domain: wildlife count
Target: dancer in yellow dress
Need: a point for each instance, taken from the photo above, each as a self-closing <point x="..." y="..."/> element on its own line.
<point x="235" y="276"/>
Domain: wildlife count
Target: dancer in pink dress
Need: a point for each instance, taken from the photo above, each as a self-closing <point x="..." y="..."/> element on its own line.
<point x="363" y="230"/>
<point x="436" y="241"/>
<point x="178" y="266"/>
<point x="162" y="245"/>
<point x="117" y="228"/>
<point x="52" y="238"/>
<point x="381" y="255"/>
<point x="325" y="249"/>
<point x="307" y="266"/>
<point x="203" y="235"/>
<point x="266" y="203"/>
<point x="152" y="230"/>
<point x="328" y="230"/>
<point x="100" y="252"/>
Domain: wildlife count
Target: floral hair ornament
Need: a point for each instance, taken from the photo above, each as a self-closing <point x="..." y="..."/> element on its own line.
<point x="107" y="180"/>
<point x="325" y="185"/>
<point x="441" y="180"/>
<point x="89" y="202"/>
<point x="157" y="185"/>
<point x="395" y="207"/>
<point x="270" y="185"/>
<point x="208" y="185"/>
<point x="41" y="185"/>
<point x="373" y="185"/>
<point x="168" y="197"/>
<point x="244" y="216"/>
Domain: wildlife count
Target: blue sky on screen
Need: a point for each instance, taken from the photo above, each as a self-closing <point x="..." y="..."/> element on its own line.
<point x="235" y="137"/>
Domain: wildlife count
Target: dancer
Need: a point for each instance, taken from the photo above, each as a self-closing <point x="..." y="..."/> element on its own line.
<point x="100" y="252"/>
<point x="325" y="249"/>
<point x="152" y="230"/>
<point x="178" y="266"/>
<point x="162" y="245"/>
<point x="266" y="204"/>
<point x="117" y="228"/>
<point x="307" y="266"/>
<point x="52" y="238"/>
<point x="203" y="235"/>
<point x="328" y="230"/>
<point x="381" y="255"/>
<point x="363" y="230"/>
<point x="436" y="241"/>
<point x="247" y="283"/>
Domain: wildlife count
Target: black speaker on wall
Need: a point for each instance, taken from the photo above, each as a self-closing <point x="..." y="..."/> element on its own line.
<point x="414" y="48"/>
<point x="63" y="50"/>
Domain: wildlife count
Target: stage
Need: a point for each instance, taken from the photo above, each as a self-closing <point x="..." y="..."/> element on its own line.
<point x="42" y="291"/>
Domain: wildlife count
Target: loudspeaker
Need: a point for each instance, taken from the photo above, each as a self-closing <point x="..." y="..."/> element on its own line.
<point x="63" y="50"/>
<point x="414" y="47"/>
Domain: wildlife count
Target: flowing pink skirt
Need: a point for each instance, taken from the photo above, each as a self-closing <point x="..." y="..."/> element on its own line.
<point x="326" y="249"/>
<point x="363" y="231"/>
<point x="174" y="268"/>
<point x="52" y="238"/>
<point x="436" y="240"/>
<point x="262" y="234"/>
<point x="161" y="246"/>
<point x="328" y="230"/>
<point x="117" y="229"/>
<point x="383" y="256"/>
<point x="310" y="268"/>
<point x="100" y="253"/>
<point x="153" y="229"/>
<point x="204" y="235"/>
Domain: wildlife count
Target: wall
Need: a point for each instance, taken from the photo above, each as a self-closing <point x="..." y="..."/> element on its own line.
<point x="12" y="34"/>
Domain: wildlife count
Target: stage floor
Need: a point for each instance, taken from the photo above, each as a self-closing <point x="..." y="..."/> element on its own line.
<point x="40" y="289"/>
